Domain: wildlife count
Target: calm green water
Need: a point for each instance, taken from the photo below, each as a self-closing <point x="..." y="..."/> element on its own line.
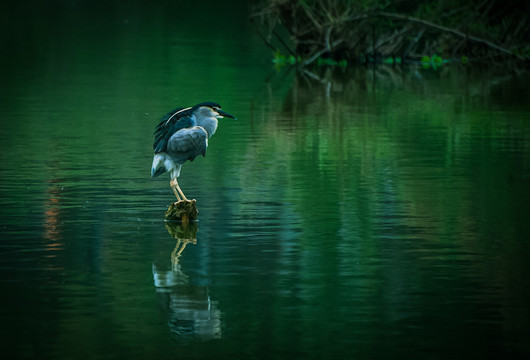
<point x="380" y="215"/>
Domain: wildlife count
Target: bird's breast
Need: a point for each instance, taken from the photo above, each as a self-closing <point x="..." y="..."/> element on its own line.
<point x="209" y="124"/>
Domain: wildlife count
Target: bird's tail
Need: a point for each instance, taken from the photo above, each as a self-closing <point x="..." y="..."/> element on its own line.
<point x="158" y="167"/>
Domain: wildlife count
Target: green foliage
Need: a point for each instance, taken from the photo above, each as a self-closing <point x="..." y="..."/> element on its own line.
<point x="392" y="60"/>
<point x="281" y="59"/>
<point x="331" y="62"/>
<point x="433" y="61"/>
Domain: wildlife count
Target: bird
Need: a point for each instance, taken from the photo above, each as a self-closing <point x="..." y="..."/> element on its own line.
<point x="182" y="135"/>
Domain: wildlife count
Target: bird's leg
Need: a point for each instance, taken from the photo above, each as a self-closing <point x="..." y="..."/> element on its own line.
<point x="173" y="184"/>
<point x="181" y="193"/>
<point x="176" y="193"/>
<point x="176" y="189"/>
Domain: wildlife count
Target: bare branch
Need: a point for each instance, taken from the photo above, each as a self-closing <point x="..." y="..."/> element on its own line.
<point x="449" y="30"/>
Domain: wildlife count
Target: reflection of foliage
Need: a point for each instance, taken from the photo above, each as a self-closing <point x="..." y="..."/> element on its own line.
<point x="381" y="31"/>
<point x="364" y="183"/>
<point x="368" y="147"/>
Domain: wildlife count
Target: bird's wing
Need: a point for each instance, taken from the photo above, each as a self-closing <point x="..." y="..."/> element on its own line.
<point x="172" y="122"/>
<point x="187" y="144"/>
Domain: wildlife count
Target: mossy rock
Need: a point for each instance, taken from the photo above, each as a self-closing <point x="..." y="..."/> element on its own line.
<point x="183" y="211"/>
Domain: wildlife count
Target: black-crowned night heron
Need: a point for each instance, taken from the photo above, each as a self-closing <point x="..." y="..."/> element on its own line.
<point x="182" y="135"/>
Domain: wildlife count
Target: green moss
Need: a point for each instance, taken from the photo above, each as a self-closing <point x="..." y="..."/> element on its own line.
<point x="183" y="211"/>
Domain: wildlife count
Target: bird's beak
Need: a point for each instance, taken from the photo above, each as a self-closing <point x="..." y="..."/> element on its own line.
<point x="225" y="114"/>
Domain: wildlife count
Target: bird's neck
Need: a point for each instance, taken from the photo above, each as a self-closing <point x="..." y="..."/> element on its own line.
<point x="208" y="123"/>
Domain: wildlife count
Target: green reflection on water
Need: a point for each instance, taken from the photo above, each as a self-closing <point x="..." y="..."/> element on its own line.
<point x="387" y="207"/>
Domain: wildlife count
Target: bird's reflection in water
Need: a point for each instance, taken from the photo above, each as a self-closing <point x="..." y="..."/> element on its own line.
<point x="191" y="313"/>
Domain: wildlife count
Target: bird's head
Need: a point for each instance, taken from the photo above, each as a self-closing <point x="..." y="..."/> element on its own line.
<point x="211" y="109"/>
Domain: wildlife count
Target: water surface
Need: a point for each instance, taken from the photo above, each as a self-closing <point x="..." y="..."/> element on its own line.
<point x="379" y="214"/>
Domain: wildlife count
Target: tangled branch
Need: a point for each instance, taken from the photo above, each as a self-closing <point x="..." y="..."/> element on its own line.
<point x="373" y="30"/>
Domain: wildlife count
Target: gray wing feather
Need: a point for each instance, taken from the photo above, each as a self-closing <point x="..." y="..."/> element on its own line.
<point x="187" y="144"/>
